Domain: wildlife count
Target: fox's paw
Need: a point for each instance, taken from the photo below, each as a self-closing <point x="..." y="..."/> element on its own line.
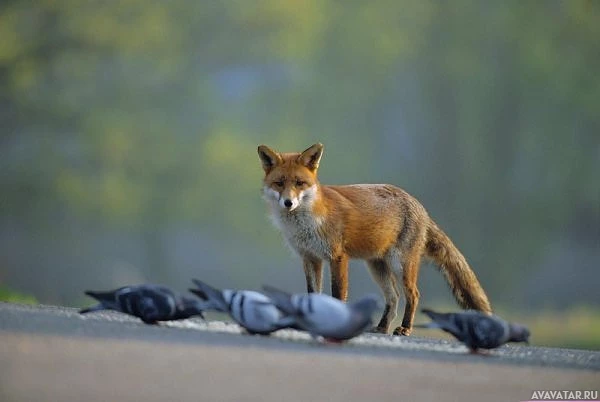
<point x="378" y="330"/>
<point x="403" y="331"/>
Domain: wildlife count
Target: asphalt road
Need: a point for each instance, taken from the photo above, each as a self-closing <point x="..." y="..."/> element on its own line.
<point x="54" y="354"/>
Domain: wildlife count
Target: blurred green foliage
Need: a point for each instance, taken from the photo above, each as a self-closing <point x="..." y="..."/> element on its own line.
<point x="12" y="296"/>
<point x="578" y="327"/>
<point x="133" y="121"/>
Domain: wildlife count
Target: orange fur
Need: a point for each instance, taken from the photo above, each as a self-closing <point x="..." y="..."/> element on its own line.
<point x="379" y="223"/>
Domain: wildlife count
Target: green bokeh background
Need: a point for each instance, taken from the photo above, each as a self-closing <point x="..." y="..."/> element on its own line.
<point x="129" y="132"/>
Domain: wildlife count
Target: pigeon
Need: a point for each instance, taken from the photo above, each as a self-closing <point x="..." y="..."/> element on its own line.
<point x="325" y="316"/>
<point x="477" y="330"/>
<point x="252" y="310"/>
<point x="150" y="303"/>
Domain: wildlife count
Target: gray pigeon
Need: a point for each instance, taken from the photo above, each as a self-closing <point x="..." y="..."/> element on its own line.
<point x="252" y="310"/>
<point x="326" y="316"/>
<point x="150" y="303"/>
<point x="477" y="330"/>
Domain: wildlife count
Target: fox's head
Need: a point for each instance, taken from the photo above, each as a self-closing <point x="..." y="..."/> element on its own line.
<point x="290" y="178"/>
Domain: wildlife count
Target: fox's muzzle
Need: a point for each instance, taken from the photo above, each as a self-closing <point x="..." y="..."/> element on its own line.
<point x="289" y="203"/>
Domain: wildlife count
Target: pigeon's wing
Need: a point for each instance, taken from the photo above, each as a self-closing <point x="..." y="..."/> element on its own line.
<point x="158" y="288"/>
<point x="487" y="332"/>
<point x="149" y="310"/>
<point x="323" y="314"/>
<point x="358" y="319"/>
<point x="149" y="303"/>
<point x="265" y="317"/>
<point x="163" y="301"/>
<point x="355" y="326"/>
<point x="213" y="296"/>
<point x="132" y="302"/>
<point x="242" y="306"/>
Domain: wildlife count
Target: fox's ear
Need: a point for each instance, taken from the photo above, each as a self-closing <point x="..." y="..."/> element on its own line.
<point x="268" y="157"/>
<point x="311" y="157"/>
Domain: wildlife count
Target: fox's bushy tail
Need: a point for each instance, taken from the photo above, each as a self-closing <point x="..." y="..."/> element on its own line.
<point x="462" y="280"/>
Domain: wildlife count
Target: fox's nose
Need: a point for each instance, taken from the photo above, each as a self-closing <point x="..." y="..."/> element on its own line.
<point x="287" y="203"/>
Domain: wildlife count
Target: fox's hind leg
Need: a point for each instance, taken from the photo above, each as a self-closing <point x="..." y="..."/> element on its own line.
<point x="382" y="273"/>
<point x="410" y="274"/>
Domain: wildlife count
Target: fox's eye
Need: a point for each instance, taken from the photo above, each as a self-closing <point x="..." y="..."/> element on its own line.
<point x="300" y="183"/>
<point x="279" y="183"/>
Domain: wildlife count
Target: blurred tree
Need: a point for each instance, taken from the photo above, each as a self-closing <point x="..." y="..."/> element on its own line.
<point x="144" y="117"/>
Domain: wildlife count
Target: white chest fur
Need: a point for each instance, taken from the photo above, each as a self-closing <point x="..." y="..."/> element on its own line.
<point x="302" y="231"/>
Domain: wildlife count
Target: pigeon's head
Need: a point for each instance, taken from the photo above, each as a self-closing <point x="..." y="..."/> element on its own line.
<point x="367" y="305"/>
<point x="518" y="333"/>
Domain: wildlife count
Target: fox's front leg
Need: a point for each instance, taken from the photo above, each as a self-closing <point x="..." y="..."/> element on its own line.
<point x="313" y="270"/>
<point x="339" y="277"/>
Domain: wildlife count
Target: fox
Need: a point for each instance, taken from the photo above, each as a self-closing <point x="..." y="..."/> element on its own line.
<point x="379" y="223"/>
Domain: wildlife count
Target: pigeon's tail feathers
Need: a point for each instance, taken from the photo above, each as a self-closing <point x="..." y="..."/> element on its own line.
<point x="462" y="280"/>
<point x="453" y="323"/>
<point x="286" y="322"/>
<point x="429" y="325"/>
<point x="195" y="312"/>
<point x="97" y="307"/>
<point x="106" y="296"/>
<point x="205" y="291"/>
<point x="191" y="306"/>
<point x="212" y="295"/>
<point x="433" y="315"/>
<point x="282" y="299"/>
<point x="200" y="293"/>
<point x="208" y="303"/>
